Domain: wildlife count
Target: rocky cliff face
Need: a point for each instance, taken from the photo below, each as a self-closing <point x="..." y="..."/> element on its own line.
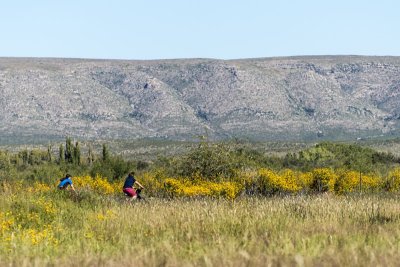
<point x="265" y="99"/>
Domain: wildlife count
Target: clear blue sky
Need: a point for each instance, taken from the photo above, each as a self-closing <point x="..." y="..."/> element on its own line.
<point x="224" y="29"/>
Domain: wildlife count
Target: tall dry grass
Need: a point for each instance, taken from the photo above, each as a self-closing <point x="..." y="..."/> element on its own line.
<point x="56" y="228"/>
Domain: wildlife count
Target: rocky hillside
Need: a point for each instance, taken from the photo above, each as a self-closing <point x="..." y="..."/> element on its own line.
<point x="332" y="97"/>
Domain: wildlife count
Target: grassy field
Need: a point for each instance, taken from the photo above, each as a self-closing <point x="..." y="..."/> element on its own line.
<point x="214" y="205"/>
<point x="44" y="226"/>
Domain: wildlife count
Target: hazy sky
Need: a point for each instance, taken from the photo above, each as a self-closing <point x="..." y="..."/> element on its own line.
<point x="225" y="29"/>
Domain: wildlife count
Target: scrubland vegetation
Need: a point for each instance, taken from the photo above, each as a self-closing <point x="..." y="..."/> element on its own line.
<point x="220" y="204"/>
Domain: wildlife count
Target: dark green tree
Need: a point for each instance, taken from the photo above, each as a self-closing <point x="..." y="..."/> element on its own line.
<point x="49" y="153"/>
<point x="61" y="154"/>
<point x="106" y="154"/>
<point x="69" y="151"/>
<point x="4" y="160"/>
<point x="90" y="155"/>
<point x="37" y="157"/>
<point x="24" y="154"/>
<point x="77" y="154"/>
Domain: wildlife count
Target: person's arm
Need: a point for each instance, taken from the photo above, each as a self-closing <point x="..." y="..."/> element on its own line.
<point x="73" y="188"/>
<point x="141" y="186"/>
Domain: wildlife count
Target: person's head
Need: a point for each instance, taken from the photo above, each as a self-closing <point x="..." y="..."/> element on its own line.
<point x="68" y="175"/>
<point x="132" y="173"/>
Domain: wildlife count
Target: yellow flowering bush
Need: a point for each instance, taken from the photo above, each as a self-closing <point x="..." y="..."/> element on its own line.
<point x="98" y="184"/>
<point x="292" y="181"/>
<point x="185" y="187"/>
<point x="195" y="190"/>
<point x="393" y="182"/>
<point x="154" y="183"/>
<point x="323" y="180"/>
<point x="271" y="182"/>
<point x="305" y="179"/>
<point x="246" y="177"/>
<point x="349" y="181"/>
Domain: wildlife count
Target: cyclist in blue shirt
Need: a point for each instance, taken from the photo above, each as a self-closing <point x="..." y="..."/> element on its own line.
<point x="65" y="182"/>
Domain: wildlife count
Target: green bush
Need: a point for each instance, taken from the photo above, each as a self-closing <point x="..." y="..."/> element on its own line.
<point x="208" y="160"/>
<point x="113" y="168"/>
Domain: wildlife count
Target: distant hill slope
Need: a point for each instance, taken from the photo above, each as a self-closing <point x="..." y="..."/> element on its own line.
<point x="334" y="97"/>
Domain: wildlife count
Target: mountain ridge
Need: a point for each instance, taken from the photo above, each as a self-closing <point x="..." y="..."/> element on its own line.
<point x="280" y="98"/>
